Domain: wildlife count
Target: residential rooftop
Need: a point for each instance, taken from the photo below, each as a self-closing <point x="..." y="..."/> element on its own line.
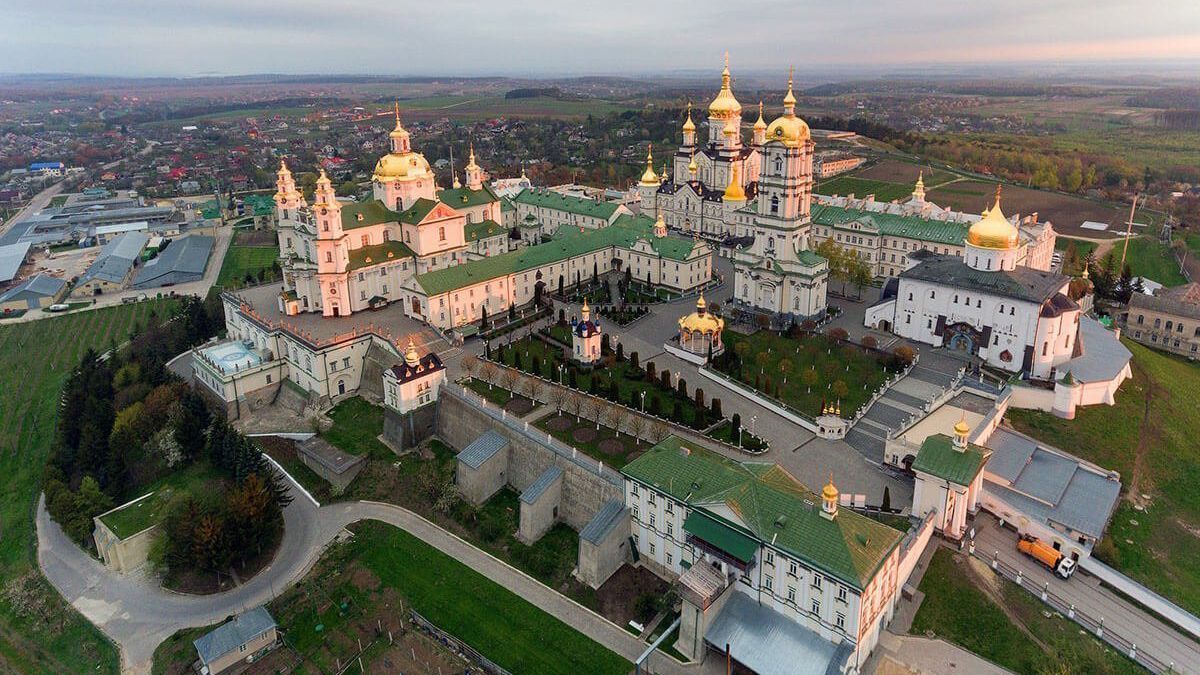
<point x="772" y="506"/>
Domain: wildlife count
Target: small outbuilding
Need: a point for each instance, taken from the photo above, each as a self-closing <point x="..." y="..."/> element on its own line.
<point x="242" y="639"/>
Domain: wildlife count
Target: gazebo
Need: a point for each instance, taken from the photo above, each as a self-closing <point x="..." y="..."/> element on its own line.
<point x="700" y="331"/>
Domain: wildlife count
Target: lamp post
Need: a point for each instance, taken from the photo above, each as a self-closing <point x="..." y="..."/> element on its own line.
<point x="560" y="372"/>
<point x="752" y="418"/>
<point x="643" y="401"/>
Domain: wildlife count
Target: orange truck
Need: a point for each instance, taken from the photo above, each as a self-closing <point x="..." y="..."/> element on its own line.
<point x="1053" y="559"/>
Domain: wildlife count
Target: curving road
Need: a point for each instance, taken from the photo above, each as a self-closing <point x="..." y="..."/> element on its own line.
<point x="137" y="614"/>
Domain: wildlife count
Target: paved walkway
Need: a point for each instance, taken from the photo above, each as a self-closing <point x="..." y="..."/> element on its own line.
<point x="138" y="614"/>
<point x="1121" y="617"/>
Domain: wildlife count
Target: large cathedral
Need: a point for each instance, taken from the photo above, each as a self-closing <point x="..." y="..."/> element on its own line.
<point x="761" y="193"/>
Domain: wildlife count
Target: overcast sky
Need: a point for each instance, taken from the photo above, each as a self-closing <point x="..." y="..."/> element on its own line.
<point x="541" y="37"/>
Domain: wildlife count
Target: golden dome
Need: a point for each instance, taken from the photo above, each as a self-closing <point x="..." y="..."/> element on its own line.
<point x="399" y="131"/>
<point x="648" y="176"/>
<point x="688" y="124"/>
<point x="962" y="428"/>
<point x="700" y="321"/>
<point x="993" y="230"/>
<point x="403" y="167"/>
<point x="724" y="105"/>
<point x="410" y="354"/>
<point x="789" y="130"/>
<point x="830" y="491"/>
<point x="734" y="191"/>
<point x="692" y="166"/>
<point x="760" y="124"/>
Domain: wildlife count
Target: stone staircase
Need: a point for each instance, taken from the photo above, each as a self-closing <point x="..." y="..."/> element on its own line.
<point x="928" y="379"/>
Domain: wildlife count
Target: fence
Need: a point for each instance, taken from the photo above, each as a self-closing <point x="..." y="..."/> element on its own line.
<point x="1092" y="624"/>
<point x="455" y="644"/>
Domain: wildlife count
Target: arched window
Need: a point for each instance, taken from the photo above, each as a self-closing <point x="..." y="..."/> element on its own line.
<point x="774" y="204"/>
<point x="778" y="165"/>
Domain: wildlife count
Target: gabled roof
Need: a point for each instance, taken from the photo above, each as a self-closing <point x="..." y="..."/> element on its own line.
<point x="373" y="212"/>
<point x="775" y="507"/>
<point x="36" y="286"/>
<point x="378" y="253"/>
<point x="938" y="457"/>
<point x="1180" y="301"/>
<point x="464" y="197"/>
<point x="234" y="633"/>
<point x="1022" y="283"/>
<point x="567" y="243"/>
<point x="483" y="229"/>
<point x="116" y="258"/>
<point x="421" y="208"/>
<point x="603" y="522"/>
<point x="429" y="363"/>
<point x="893" y="225"/>
<point x="560" y="202"/>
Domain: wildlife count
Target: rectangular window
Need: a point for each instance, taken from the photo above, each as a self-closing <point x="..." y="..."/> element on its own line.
<point x="841" y="594"/>
<point x="770" y="557"/>
<point x="791" y="594"/>
<point x="635" y="512"/>
<point x="768" y="582"/>
<point x="816" y="607"/>
<point x="652" y="520"/>
<point x="816" y="581"/>
<point x="792" y="569"/>
<point x="841" y="620"/>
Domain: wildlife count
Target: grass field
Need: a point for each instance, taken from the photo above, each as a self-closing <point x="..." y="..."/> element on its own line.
<point x="861" y="187"/>
<point x="35" y="359"/>
<point x="859" y="371"/>
<point x="356" y="428"/>
<point x="137" y="517"/>
<point x="1003" y="623"/>
<point x="505" y="627"/>
<point x="904" y="173"/>
<point x="242" y="260"/>
<point x="1151" y="259"/>
<point x="1149" y="437"/>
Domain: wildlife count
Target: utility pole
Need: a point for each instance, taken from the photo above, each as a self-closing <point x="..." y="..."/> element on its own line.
<point x="1128" y="232"/>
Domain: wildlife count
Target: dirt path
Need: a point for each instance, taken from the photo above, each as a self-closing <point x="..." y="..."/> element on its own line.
<point x="1147" y="436"/>
<point x="990" y="584"/>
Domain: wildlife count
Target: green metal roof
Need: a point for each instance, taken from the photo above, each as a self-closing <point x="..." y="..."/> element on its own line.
<point x="560" y="202"/>
<point x="483" y="229"/>
<point x="724" y="537"/>
<point x="464" y="197"/>
<point x="373" y="255"/>
<point x="778" y="509"/>
<point x="417" y="212"/>
<point x="938" y="457"/>
<point x="260" y="205"/>
<point x="373" y="212"/>
<point x="894" y="225"/>
<point x="570" y="244"/>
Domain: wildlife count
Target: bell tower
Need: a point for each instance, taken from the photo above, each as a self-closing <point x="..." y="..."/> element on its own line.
<point x="332" y="256"/>
<point x="474" y="173"/>
<point x="288" y="199"/>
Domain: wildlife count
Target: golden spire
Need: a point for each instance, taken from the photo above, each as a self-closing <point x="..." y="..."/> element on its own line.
<point x="998" y="186"/>
<point x="648" y="176"/>
<point x="471" y="156"/>
<point x="789" y="100"/>
<point x="921" y="178"/>
<point x="700" y="304"/>
<point x="734" y="191"/>
<point x="454" y="182"/>
<point x="725" y="104"/>
<point x="761" y="124"/>
<point x="410" y="353"/>
<point x="397" y="110"/>
<point x="586" y="312"/>
<point x="692" y="166"/>
<point x="660" y="226"/>
<point x="688" y="124"/>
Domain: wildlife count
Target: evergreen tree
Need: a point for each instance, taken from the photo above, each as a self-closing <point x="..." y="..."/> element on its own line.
<point x="193" y="418"/>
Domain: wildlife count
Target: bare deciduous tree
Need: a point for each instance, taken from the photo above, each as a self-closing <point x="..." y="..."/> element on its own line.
<point x="508" y="380"/>
<point x="591" y="410"/>
<point x="558" y="398"/>
<point x="612" y="417"/>
<point x="574" y="404"/>
<point x="534" y="388"/>
<point x="636" y="426"/>
<point x="488" y="372"/>
<point x="470" y="365"/>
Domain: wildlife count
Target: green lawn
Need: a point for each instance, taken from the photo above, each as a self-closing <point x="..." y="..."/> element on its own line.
<point x="957" y="610"/>
<point x="242" y="260"/>
<point x="1151" y="259"/>
<point x="1156" y="415"/>
<point x="502" y="397"/>
<point x="861" y="187"/>
<point x="356" y="428"/>
<point x="137" y="517"/>
<point x="859" y="372"/>
<point x="502" y="625"/>
<point x="35" y="360"/>
<point x="600" y="444"/>
<point x="724" y="432"/>
<point x="58" y="200"/>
